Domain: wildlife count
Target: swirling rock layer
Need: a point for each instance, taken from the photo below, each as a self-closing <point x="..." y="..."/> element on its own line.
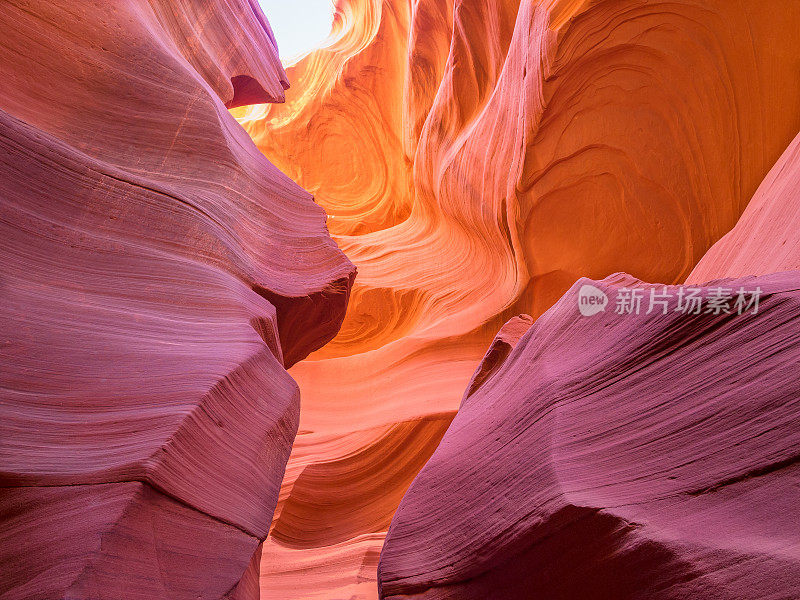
<point x="158" y="274"/>
<point x="475" y="159"/>
<point x="618" y="456"/>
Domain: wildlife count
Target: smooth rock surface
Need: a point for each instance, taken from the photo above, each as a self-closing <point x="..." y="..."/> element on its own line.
<point x="767" y="237"/>
<point x="158" y="276"/>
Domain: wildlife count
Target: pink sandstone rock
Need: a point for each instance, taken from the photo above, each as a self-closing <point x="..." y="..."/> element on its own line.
<point x="158" y="276"/>
<point x="767" y="237"/>
<point x="619" y="457"/>
<point x="504" y="342"/>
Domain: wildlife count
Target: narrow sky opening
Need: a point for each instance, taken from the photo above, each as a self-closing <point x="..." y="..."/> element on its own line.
<point x="299" y="25"/>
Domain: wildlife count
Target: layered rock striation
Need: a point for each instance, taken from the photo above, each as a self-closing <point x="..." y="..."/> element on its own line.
<point x="159" y="275"/>
<point x="620" y="456"/>
<point x="475" y="160"/>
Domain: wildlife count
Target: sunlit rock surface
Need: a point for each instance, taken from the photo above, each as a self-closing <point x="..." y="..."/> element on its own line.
<point x="619" y="457"/>
<point x="475" y="159"/>
<point x="767" y="237"/>
<point x="158" y="275"/>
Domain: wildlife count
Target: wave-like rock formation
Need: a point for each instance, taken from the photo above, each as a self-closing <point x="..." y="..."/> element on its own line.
<point x="476" y="159"/>
<point x="158" y="276"/>
<point x="619" y="457"/>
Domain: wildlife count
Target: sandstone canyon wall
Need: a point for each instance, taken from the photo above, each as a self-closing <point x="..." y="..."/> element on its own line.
<point x="158" y="276"/>
<point x="767" y="237"/>
<point x="648" y="456"/>
<point x="619" y="456"/>
<point x="475" y="159"/>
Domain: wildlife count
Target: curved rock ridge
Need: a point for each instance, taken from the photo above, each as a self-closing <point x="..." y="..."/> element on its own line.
<point x="229" y="43"/>
<point x="159" y="274"/>
<point x="767" y="237"/>
<point x="332" y="515"/>
<point x="619" y="456"/>
<point x="477" y="158"/>
<point x="356" y="500"/>
<point x="504" y="342"/>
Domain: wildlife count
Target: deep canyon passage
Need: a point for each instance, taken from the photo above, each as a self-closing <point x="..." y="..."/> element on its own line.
<point x="409" y="318"/>
<point x="463" y="201"/>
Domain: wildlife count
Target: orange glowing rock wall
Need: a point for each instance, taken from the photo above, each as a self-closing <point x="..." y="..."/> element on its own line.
<point x="475" y="159"/>
<point x="767" y="237"/>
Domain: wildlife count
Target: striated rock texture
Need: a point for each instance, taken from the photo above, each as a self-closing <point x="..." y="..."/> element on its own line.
<point x="158" y="276"/>
<point x="619" y="457"/>
<point x="476" y="159"/>
<point x="504" y="342"/>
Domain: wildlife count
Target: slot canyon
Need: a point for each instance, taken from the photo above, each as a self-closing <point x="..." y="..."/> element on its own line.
<point x="475" y="300"/>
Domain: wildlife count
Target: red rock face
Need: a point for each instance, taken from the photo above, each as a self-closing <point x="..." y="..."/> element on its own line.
<point x="158" y="276"/>
<point x="476" y="159"/>
<point x="502" y="345"/>
<point x="765" y="240"/>
<point x="618" y="457"/>
<point x="621" y="456"/>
